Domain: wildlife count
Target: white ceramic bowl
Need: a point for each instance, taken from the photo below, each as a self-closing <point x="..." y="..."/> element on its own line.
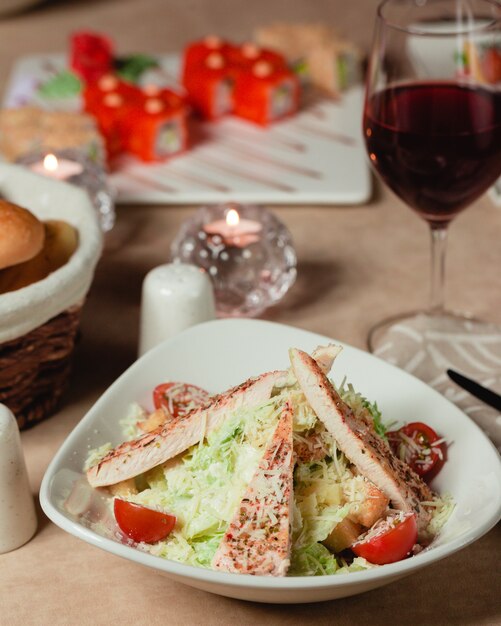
<point x="219" y="354"/>
<point x="25" y="309"/>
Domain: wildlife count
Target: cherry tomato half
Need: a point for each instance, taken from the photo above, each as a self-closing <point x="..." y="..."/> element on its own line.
<point x="141" y="523"/>
<point x="179" y="398"/>
<point x="419" y="446"/>
<point x="390" y="542"/>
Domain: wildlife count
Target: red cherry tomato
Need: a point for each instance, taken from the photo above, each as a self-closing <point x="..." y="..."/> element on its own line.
<point x="179" y="398"/>
<point x="419" y="446"/>
<point x="141" y="523"/>
<point x="389" y="541"/>
<point x="491" y="65"/>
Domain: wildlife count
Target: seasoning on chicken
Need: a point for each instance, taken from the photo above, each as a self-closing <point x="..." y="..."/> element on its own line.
<point x="139" y="455"/>
<point x="359" y="441"/>
<point x="257" y="540"/>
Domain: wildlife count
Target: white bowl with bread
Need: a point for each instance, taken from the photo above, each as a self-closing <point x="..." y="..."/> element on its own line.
<point x="51" y="244"/>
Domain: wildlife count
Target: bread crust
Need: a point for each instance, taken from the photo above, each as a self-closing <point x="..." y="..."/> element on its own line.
<point x="21" y="234"/>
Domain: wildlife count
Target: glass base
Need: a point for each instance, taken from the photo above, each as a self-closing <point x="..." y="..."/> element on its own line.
<point x="251" y="267"/>
<point x="427" y="344"/>
<point x="92" y="179"/>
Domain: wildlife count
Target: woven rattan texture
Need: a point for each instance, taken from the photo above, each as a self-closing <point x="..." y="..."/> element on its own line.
<point x="34" y="368"/>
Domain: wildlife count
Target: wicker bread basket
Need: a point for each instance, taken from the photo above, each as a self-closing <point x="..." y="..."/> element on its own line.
<point x="39" y="323"/>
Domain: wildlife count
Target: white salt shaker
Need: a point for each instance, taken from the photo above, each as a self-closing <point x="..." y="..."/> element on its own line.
<point x="175" y="296"/>
<point x="18" y="520"/>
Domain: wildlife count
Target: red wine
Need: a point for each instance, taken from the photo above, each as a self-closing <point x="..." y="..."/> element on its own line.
<point x="437" y="145"/>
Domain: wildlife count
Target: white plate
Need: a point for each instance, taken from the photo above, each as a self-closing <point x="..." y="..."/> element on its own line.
<point x="222" y="353"/>
<point x="316" y="157"/>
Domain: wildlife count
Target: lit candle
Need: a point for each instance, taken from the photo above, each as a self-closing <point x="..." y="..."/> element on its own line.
<point x="246" y="251"/>
<point x="235" y="231"/>
<point x="59" y="169"/>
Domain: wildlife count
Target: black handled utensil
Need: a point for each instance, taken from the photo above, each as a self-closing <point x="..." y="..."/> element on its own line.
<point x="482" y="393"/>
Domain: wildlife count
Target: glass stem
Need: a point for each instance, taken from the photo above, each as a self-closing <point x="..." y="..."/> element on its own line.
<point x="438" y="250"/>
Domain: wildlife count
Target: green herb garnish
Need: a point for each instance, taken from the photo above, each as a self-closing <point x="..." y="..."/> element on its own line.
<point x="65" y="84"/>
<point x="132" y="67"/>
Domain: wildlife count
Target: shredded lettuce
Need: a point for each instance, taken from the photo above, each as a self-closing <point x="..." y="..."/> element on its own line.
<point x="129" y="422"/>
<point x="204" y="487"/>
<point x="95" y="455"/>
<point x="304" y="416"/>
<point x="130" y="431"/>
<point x="441" y="508"/>
<point x="357" y="565"/>
<point x="177" y="548"/>
<point x="316" y="560"/>
<point x="360" y="405"/>
<point x="312" y="560"/>
<point x="324" y="493"/>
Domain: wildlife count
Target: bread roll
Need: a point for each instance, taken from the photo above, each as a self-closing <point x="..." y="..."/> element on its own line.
<point x="21" y="234"/>
<point x="61" y="241"/>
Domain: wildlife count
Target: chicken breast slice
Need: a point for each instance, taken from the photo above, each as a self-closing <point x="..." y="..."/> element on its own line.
<point x="257" y="541"/>
<point x="310" y="446"/>
<point x="325" y="356"/>
<point x="359" y="441"/>
<point x="139" y="455"/>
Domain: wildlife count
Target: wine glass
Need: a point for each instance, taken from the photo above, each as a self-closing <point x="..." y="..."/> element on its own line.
<point x="432" y="128"/>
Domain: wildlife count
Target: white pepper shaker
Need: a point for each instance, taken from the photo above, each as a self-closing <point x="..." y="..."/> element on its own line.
<point x="174" y="297"/>
<point x="18" y="520"/>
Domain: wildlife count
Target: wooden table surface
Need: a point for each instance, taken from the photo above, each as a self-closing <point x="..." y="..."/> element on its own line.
<point x="356" y="265"/>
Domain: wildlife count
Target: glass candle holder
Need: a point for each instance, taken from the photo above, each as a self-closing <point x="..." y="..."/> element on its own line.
<point x="246" y="251"/>
<point x="73" y="166"/>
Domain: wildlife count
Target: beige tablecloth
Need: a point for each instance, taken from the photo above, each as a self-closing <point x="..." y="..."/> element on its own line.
<point x="356" y="265"/>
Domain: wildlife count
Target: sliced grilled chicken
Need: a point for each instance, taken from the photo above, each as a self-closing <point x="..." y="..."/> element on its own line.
<point x="358" y="440"/>
<point x="258" y="538"/>
<point x="325" y="356"/>
<point x="309" y="446"/>
<point x="139" y="455"/>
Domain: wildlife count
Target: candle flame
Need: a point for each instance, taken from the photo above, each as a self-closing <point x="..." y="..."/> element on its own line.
<point x="232" y="218"/>
<point x="50" y="162"/>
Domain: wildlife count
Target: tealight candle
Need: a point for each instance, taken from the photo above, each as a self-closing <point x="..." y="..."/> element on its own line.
<point x="81" y="168"/>
<point x="246" y="251"/>
<point x="235" y="231"/>
<point x="59" y="169"/>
